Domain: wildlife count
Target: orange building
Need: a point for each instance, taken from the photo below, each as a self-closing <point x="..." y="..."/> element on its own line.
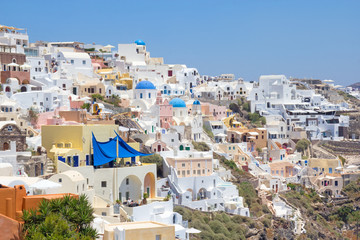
<point x="14" y="200"/>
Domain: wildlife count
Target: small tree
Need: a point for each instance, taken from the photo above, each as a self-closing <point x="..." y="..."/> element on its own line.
<point x="63" y="218"/>
<point x="302" y="145"/>
<point x="157" y="159"/>
<point x="234" y="107"/>
<point x="86" y="106"/>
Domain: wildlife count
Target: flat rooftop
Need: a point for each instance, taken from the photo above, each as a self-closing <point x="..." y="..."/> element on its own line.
<point x="136" y="225"/>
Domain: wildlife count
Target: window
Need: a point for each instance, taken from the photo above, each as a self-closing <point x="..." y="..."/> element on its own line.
<point x="103" y="184"/>
<point x="203" y="171"/>
<point x="336" y="183"/>
<point x="198" y="172"/>
<point x="183" y="165"/>
<point x="141" y="95"/>
<point x="149" y="95"/>
<point x="158" y="237"/>
<point x="194" y="172"/>
<point x="60" y="179"/>
<point x="127" y="181"/>
<point x="84" y="62"/>
<point x="72" y="61"/>
<point x="198" y="164"/>
<point x="188" y="172"/>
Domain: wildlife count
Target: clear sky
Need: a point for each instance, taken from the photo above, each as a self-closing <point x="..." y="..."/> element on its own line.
<point x="298" y="38"/>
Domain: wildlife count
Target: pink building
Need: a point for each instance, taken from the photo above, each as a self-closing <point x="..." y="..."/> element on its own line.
<point x="76" y="104"/>
<point x="215" y="111"/>
<point x="165" y="112"/>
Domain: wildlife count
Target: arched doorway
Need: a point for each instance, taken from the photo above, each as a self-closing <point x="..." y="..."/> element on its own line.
<point x="25" y="81"/>
<point x="159" y="148"/>
<point x="130" y="187"/>
<point x="6" y="146"/>
<point x="149" y="185"/>
<point x="181" y="148"/>
<point x="7" y="89"/>
<point x="192" y="193"/>
<point x="23" y="89"/>
<point x="202" y="193"/>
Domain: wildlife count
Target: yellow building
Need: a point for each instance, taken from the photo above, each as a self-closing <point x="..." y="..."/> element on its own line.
<point x="125" y="79"/>
<point x="230" y="122"/>
<point x="73" y="143"/>
<point x="324" y="165"/>
<point x="139" y="231"/>
<point x="109" y="74"/>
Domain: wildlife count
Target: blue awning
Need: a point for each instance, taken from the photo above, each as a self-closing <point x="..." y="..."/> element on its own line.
<point x="105" y="152"/>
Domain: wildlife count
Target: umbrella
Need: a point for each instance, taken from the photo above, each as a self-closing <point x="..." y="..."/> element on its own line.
<point x="25" y="66"/>
<point x="13" y="65"/>
<point x="221" y="135"/>
<point x="352" y="167"/>
<point x="193" y="230"/>
<point x="45" y="184"/>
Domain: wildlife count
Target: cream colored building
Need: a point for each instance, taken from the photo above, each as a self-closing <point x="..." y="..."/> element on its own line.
<point x="70" y="142"/>
<point x="324" y="165"/>
<point x="139" y="231"/>
<point x="191" y="164"/>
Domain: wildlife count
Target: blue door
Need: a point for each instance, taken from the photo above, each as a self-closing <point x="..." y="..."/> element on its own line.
<point x="76" y="161"/>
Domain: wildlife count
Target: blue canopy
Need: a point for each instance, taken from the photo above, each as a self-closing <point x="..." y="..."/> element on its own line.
<point x="105" y="152"/>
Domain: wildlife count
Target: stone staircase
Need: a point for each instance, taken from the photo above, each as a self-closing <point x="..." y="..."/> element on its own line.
<point x="50" y="166"/>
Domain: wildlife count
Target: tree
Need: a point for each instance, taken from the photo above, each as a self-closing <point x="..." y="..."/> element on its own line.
<point x="86" y="106"/>
<point x="157" y="159"/>
<point x="246" y="106"/>
<point x="234" y="107"/>
<point x="302" y="145"/>
<point x="63" y="218"/>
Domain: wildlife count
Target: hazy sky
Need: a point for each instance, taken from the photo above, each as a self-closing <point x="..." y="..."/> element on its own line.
<point x="298" y="38"/>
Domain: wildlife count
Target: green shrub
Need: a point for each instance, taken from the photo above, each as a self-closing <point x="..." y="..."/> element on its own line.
<point x="97" y="96"/>
<point x="267" y="223"/>
<point x="157" y="159"/>
<point x="201" y="146"/>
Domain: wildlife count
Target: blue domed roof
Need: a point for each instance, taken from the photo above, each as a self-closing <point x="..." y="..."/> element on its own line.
<point x="177" y="103"/>
<point x="196" y="102"/>
<point x="140" y="42"/>
<point x="145" y="85"/>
